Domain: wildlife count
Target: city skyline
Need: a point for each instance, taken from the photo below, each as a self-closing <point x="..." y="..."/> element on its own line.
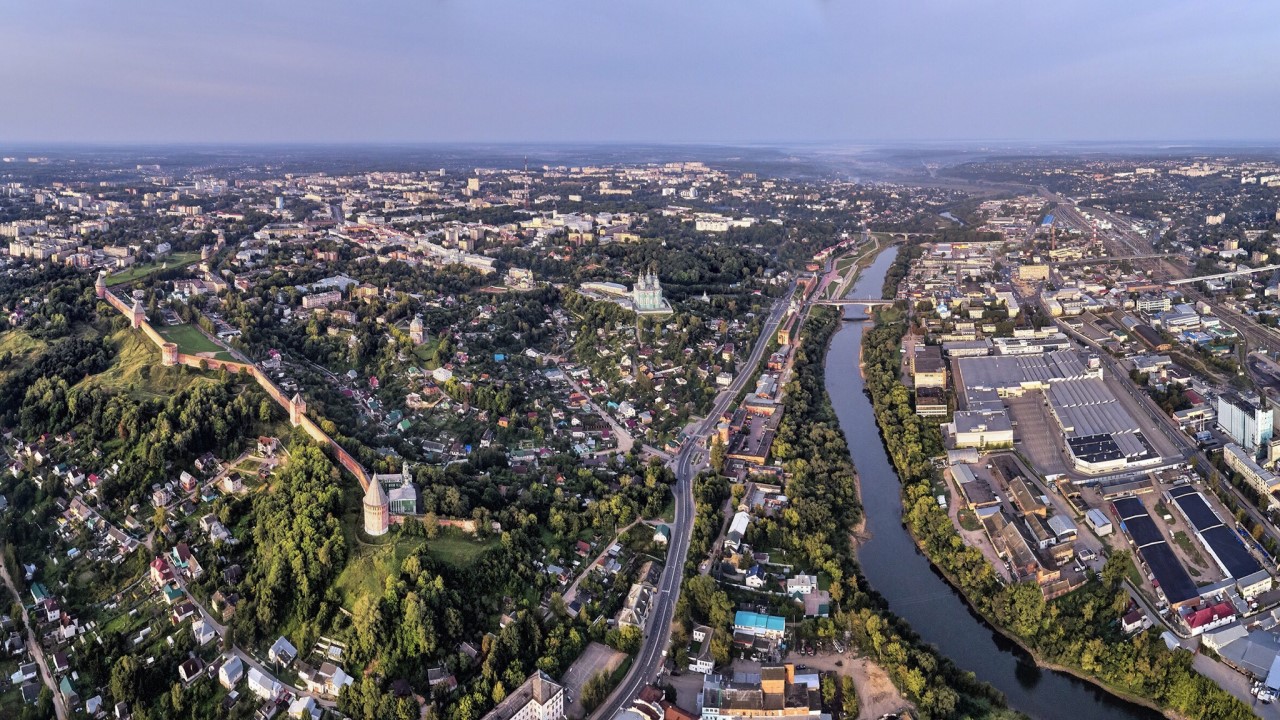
<point x="742" y="73"/>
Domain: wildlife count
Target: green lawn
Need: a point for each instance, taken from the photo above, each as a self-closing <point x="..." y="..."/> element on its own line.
<point x="1188" y="548"/>
<point x="371" y="563"/>
<point x="19" y="342"/>
<point x="23" y="348"/>
<point x="1132" y="573"/>
<point x="136" y="369"/>
<point x="191" y="341"/>
<point x="457" y="548"/>
<point x="137" y="272"/>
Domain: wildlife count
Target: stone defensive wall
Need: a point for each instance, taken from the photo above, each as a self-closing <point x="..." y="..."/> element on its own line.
<point x="169" y="355"/>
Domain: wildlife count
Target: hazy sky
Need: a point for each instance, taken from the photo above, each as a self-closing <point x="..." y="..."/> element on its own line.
<point x="622" y="70"/>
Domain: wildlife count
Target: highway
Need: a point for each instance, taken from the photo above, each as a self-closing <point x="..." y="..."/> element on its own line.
<point x="653" y="650"/>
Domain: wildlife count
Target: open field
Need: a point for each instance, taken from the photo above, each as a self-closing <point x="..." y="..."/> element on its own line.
<point x="193" y="342"/>
<point x="21" y="348"/>
<point x="370" y="563"/>
<point x="138" y="272"/>
<point x="137" y="369"/>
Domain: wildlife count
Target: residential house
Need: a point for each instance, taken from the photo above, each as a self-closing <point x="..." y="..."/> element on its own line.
<point x="190" y="669"/>
<point x="182" y="612"/>
<point x="161" y="573"/>
<point x="202" y="631"/>
<point x="185" y="561"/>
<point x="263" y="685"/>
<point x="700" y="659"/>
<point x="802" y="584"/>
<point x="282" y="651"/>
<point x="304" y="707"/>
<point x="231" y="671"/>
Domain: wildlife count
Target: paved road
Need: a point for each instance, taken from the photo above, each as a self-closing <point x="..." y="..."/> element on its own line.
<point x="252" y="662"/>
<point x="221" y="630"/>
<point x="33" y="646"/>
<point x="625" y="440"/>
<point x="1234" y="683"/>
<point x="653" y="651"/>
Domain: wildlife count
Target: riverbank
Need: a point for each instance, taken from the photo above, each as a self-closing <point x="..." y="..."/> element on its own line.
<point x="903" y="578"/>
<point x="824" y="510"/>
<point x="1080" y="625"/>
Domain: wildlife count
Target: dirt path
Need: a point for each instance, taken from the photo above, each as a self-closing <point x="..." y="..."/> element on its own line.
<point x="876" y="694"/>
<point x="572" y="591"/>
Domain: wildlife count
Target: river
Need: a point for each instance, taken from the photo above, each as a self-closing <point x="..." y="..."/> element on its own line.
<point x="915" y="591"/>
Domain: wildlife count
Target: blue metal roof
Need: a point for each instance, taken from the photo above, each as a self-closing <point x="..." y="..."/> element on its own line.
<point x="760" y="622"/>
<point x="1048" y="220"/>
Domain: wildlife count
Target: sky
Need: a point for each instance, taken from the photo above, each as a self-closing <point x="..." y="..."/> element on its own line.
<point x="687" y="71"/>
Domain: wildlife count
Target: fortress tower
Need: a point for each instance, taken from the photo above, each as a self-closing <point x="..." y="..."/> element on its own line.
<point x="377" y="509"/>
<point x="137" y="315"/>
<point x="297" y="409"/>
<point x="100" y="286"/>
<point x="169" y="354"/>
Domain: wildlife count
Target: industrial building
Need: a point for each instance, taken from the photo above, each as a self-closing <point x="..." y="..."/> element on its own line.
<point x="981" y="430"/>
<point x="1247" y="420"/>
<point x="1098" y="521"/>
<point x="928" y="368"/>
<point x="1225" y="546"/>
<point x="1171" y="578"/>
<point x="1101" y="435"/>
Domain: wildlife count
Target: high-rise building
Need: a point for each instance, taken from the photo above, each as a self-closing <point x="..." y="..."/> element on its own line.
<point x="1248" y="421"/>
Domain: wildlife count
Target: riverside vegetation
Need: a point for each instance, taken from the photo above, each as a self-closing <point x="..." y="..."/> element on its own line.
<point x="818" y="527"/>
<point x="1078" y="631"/>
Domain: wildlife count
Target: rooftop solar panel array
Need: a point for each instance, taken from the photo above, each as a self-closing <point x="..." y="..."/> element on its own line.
<point x="1172" y="577"/>
<point x="1196" y="510"/>
<point x="1128" y="507"/>
<point x="1222" y="541"/>
<point x="1094" y="448"/>
<point x="1174" y="581"/>
<point x="1143" y="530"/>
<point x="1230" y="552"/>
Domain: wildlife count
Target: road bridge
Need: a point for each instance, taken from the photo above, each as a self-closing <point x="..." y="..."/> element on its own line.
<point x="850" y="301"/>
<point x="1221" y="276"/>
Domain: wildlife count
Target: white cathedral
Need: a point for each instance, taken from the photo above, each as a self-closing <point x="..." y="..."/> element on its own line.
<point x="646" y="296"/>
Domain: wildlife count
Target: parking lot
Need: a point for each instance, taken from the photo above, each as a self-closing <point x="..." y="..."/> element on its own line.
<point x="595" y="659"/>
<point x="1037" y="436"/>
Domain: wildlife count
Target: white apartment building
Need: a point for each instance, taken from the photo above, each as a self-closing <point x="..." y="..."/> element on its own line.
<point x="539" y="698"/>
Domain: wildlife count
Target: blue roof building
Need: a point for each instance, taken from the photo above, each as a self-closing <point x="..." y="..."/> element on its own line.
<point x="757" y="624"/>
